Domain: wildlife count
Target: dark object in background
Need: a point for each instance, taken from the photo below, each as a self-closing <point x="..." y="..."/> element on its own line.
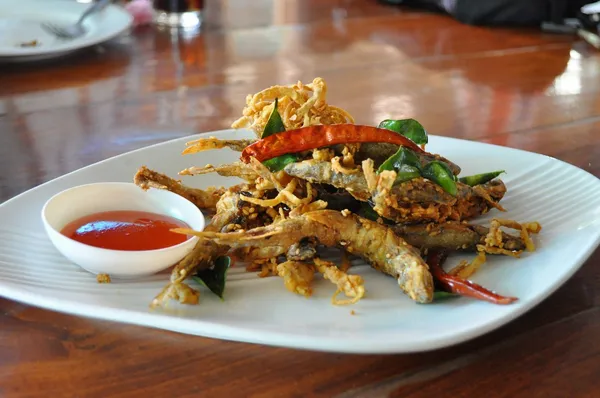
<point x="502" y="12"/>
<point x="516" y="12"/>
<point x="178" y="5"/>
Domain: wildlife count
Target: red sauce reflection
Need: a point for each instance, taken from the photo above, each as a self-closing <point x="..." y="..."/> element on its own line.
<point x="126" y="230"/>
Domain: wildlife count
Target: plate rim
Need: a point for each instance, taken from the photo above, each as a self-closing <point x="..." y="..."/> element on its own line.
<point x="248" y="334"/>
<point x="14" y="53"/>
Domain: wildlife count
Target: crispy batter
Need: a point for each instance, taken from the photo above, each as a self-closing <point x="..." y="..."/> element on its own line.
<point x="285" y="196"/>
<point x="498" y="250"/>
<point x="466" y="269"/>
<point x="299" y="105"/>
<point x="266" y="266"/>
<point x="353" y="286"/>
<point x="339" y="168"/>
<point x="533" y="227"/>
<point x="348" y="152"/>
<point x="370" y="175"/>
<point x="306" y="208"/>
<point x="323" y="154"/>
<point x="494" y="241"/>
<point x="180" y="292"/>
<point x="103" y="278"/>
<point x="297" y="277"/>
<point x="527" y="239"/>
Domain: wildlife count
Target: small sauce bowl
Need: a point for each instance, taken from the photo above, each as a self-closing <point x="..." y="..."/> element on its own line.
<point x="83" y="200"/>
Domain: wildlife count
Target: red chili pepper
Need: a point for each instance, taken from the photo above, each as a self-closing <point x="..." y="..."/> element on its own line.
<point x="306" y="138"/>
<point x="460" y="286"/>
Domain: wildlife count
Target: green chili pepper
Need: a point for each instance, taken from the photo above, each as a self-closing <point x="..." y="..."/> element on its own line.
<point x="275" y="125"/>
<point x="409" y="128"/>
<point x="441" y="174"/>
<point x="406" y="173"/>
<point x="439" y="295"/>
<point x="214" y="278"/>
<point x="479" y="179"/>
<point x="366" y="211"/>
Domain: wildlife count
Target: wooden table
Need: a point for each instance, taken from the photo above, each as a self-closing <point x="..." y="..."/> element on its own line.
<point x="517" y="88"/>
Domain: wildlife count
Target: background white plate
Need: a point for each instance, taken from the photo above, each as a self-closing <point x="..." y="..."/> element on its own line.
<point x="20" y="22"/>
<point x="565" y="199"/>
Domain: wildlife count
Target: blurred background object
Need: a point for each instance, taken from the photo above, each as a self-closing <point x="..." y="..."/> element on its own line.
<point x="179" y="13"/>
<point x="577" y="17"/>
<point x="141" y="10"/>
<point x="501" y="12"/>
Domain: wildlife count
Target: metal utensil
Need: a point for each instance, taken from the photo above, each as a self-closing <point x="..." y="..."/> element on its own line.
<point x="76" y="30"/>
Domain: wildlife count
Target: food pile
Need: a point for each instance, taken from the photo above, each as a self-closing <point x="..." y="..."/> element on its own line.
<point x="314" y="179"/>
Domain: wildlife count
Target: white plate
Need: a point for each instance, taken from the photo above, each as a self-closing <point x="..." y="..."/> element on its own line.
<point x="565" y="199"/>
<point x="20" y="22"/>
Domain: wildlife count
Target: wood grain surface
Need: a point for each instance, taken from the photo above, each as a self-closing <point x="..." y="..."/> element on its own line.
<point x="519" y="88"/>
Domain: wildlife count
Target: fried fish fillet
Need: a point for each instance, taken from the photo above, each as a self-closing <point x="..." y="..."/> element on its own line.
<point x="415" y="201"/>
<point x="204" y="199"/>
<point x="375" y="243"/>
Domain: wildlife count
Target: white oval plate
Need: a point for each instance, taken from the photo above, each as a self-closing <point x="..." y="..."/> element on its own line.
<point x="565" y="199"/>
<point x="20" y="22"/>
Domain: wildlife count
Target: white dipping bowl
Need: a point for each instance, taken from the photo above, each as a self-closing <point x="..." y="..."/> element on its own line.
<point x="74" y="203"/>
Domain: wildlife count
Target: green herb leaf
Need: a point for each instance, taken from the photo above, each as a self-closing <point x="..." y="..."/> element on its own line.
<point x="441" y="174"/>
<point x="274" y="124"/>
<point x="403" y="156"/>
<point x="479" y="179"/>
<point x="279" y="163"/>
<point x="405" y="163"/>
<point x="409" y="128"/>
<point x="214" y="278"/>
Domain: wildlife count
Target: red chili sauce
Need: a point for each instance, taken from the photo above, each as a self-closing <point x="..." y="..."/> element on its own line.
<point x="126" y="230"/>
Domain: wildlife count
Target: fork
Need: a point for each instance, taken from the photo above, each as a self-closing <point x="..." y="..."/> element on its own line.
<point x="76" y="30"/>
